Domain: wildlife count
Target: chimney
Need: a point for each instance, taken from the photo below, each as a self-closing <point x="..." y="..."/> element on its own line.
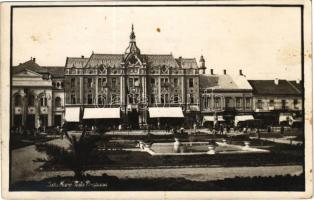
<point x="225" y="72"/>
<point x="82" y="56"/>
<point x="212" y="71"/>
<point x="34" y="59"/>
<point x="298" y="81"/>
<point x="276" y="81"/>
<point x="240" y="72"/>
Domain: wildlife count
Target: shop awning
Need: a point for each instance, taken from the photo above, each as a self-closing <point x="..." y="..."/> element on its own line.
<point x="212" y="118"/>
<point x="241" y="118"/>
<point x="165" y="112"/>
<point x="284" y="117"/>
<point x="72" y="114"/>
<point x="101" y="113"/>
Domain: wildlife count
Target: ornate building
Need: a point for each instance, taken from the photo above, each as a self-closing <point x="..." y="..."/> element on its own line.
<point x="135" y="83"/>
<point x="37" y="95"/>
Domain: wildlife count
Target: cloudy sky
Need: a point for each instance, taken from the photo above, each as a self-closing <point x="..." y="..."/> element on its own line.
<point x="264" y="42"/>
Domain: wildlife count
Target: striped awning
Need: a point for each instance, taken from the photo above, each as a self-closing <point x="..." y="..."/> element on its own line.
<point x="165" y="112"/>
<point x="72" y="114"/>
<point x="101" y="113"/>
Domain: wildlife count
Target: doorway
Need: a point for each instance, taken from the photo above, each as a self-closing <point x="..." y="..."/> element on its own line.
<point x="30" y="122"/>
<point x="133" y="119"/>
<point x="57" y="120"/>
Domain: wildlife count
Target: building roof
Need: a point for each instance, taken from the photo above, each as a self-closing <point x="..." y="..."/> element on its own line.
<point x="30" y="65"/>
<point x="77" y="62"/>
<point x="57" y="72"/>
<point x="154" y="60"/>
<point x="268" y="87"/>
<point x="187" y="63"/>
<point x="223" y="82"/>
<point x="33" y="66"/>
<point x="115" y="60"/>
<point x="299" y="85"/>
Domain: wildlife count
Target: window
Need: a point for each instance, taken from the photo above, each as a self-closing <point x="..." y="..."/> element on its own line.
<point x="191" y="98"/>
<point x="217" y="102"/>
<point x="18" y="100"/>
<point x="259" y="104"/>
<point x="113" y="82"/>
<point x="57" y="102"/>
<point x="72" y="82"/>
<point x="130" y="82"/>
<point x="152" y="81"/>
<point x="176" y="99"/>
<point x="113" y="99"/>
<point x="295" y="103"/>
<point x="58" y="84"/>
<point x="271" y="102"/>
<point x="164" y="98"/>
<point x="283" y="104"/>
<point x="247" y="102"/>
<point x="191" y="82"/>
<point x="73" y="99"/>
<point x="229" y="102"/>
<point x="61" y="84"/>
<point x="43" y="101"/>
<point x="136" y="82"/>
<point x="175" y="82"/>
<point x="102" y="82"/>
<point x="238" y="102"/>
<point x="89" y="82"/>
<point x="100" y="100"/>
<point x="90" y="99"/>
<point x="31" y="100"/>
<point x="152" y="98"/>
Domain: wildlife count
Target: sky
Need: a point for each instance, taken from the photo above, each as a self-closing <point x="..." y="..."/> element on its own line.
<point x="265" y="42"/>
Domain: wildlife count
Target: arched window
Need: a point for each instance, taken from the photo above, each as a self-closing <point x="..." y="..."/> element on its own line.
<point x="58" y="102"/>
<point x="58" y="84"/>
<point x="18" y="100"/>
<point x="31" y="100"/>
<point x="43" y="101"/>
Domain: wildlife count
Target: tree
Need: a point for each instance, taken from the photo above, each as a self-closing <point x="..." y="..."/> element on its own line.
<point x="81" y="152"/>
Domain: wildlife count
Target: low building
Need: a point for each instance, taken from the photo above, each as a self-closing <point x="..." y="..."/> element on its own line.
<point x="276" y="98"/>
<point x="37" y="95"/>
<point x="225" y="95"/>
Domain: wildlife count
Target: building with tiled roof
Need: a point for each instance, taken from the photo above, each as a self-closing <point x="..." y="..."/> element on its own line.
<point x="273" y="98"/>
<point x="222" y="93"/>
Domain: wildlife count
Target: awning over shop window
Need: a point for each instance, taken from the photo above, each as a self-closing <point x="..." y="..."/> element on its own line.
<point x="284" y="117"/>
<point x="166" y="112"/>
<point x="194" y="108"/>
<point x="212" y="118"/>
<point x="72" y="114"/>
<point x="241" y="118"/>
<point x="101" y="113"/>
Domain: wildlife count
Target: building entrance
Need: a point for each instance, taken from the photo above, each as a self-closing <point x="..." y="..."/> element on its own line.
<point x="30" y="122"/>
<point x="133" y="119"/>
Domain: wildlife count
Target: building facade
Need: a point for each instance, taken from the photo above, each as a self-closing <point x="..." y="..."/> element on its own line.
<point x="135" y="89"/>
<point x="133" y="82"/>
<point x="37" y="96"/>
<point x="225" y="95"/>
<point x="276" y="98"/>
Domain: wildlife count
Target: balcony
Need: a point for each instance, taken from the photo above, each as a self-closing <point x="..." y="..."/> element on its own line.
<point x="31" y="110"/>
<point x="18" y="110"/>
<point x="43" y="110"/>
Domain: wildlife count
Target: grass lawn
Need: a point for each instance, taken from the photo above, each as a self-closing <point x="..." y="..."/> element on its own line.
<point x="19" y="141"/>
